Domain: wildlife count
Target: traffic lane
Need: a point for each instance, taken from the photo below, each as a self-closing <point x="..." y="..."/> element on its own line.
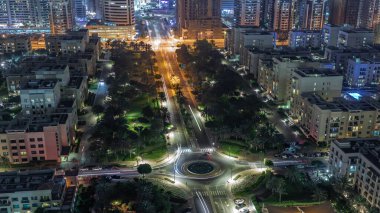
<point x="202" y="203"/>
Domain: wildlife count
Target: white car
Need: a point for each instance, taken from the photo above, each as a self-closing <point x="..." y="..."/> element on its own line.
<point x="97" y="168"/>
<point x="245" y="210"/>
<point x="83" y="169"/>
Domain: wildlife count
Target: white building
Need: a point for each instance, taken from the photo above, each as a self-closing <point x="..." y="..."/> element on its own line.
<point x="355" y="38"/>
<point x="330" y="34"/>
<point x="305" y="39"/>
<point x="359" y="160"/>
<point x="363" y="72"/>
<point x="39" y="96"/>
<point x="26" y="191"/>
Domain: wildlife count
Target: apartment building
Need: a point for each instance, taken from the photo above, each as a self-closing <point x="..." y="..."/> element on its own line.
<point x="325" y="82"/>
<point x="38" y="138"/>
<point x="40" y="96"/>
<point x="330" y="34"/>
<point x="299" y="39"/>
<point x="26" y="191"/>
<point x="359" y="160"/>
<point x="71" y="42"/>
<point x="363" y="72"/>
<point x="107" y="30"/>
<point x="282" y="73"/>
<point x="325" y="121"/>
<point x="14" y="43"/>
<point x="50" y="71"/>
<point x="340" y="56"/>
<point x="355" y="38"/>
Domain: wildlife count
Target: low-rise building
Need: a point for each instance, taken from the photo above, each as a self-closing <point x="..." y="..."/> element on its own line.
<point x="71" y="42"/>
<point x="300" y="39"/>
<point x="340" y="56"/>
<point x="359" y="161"/>
<point x="110" y="31"/>
<point x="324" y="82"/>
<point x="10" y="43"/>
<point x="363" y="72"/>
<point x="38" y="138"/>
<point x="355" y="38"/>
<point x="40" y="96"/>
<point x="26" y="191"/>
<point x="325" y="121"/>
<point x="37" y="41"/>
<point x="282" y="73"/>
<point x="330" y="34"/>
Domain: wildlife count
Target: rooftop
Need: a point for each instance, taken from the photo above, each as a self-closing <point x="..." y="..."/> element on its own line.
<point x="357" y="30"/>
<point x="368" y="148"/>
<point x="40" y="84"/>
<point x="311" y="72"/>
<point x="341" y="104"/>
<point x="28" y="181"/>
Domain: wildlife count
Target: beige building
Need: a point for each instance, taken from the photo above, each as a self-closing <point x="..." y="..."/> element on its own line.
<point x="72" y="42"/>
<point x="324" y="82"/>
<point x="110" y="31"/>
<point x="282" y="71"/>
<point x="359" y="160"/>
<point x="325" y="121"/>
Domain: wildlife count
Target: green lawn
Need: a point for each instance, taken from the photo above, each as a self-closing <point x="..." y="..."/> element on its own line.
<point x="155" y="154"/>
<point x="231" y="149"/>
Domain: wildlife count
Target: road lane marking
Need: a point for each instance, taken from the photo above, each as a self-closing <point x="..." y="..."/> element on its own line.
<point x="201" y="200"/>
<point x="195" y="118"/>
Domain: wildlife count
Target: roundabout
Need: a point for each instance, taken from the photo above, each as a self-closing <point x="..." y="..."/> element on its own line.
<point x="200" y="167"/>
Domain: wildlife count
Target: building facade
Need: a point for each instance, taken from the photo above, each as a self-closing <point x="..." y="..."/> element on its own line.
<point x="61" y="16"/>
<point x="363" y="72"/>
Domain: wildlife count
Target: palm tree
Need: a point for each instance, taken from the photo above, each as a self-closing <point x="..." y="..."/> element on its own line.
<point x="319" y="194"/>
<point x="270" y="184"/>
<point x="292" y="174"/>
<point x="280" y="187"/>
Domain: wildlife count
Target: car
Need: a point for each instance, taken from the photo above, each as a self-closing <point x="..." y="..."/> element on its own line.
<point x="239" y="201"/>
<point x="276" y="155"/>
<point x="83" y="169"/>
<point x="284" y="156"/>
<point x="240" y="206"/>
<point x="115" y="177"/>
<point x="296" y="156"/>
<point x="245" y="210"/>
<point x="97" y="168"/>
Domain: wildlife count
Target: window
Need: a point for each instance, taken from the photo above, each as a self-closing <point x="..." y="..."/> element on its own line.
<point x="16" y="206"/>
<point x="21" y="141"/>
<point x="13" y="141"/>
<point x="32" y="146"/>
<point x="14" y="147"/>
<point x="15" y="154"/>
<point x="40" y="145"/>
<point x="4" y="147"/>
<point x="23" y="153"/>
<point x="39" y="139"/>
<point x="3" y="141"/>
<point x="35" y="205"/>
<point x="24" y="159"/>
<point x="22" y="147"/>
<point x="32" y="139"/>
<point x="34" y="152"/>
<point x="42" y="158"/>
<point x="14" y="199"/>
<point x="41" y="152"/>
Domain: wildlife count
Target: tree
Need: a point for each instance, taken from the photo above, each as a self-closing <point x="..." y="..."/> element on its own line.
<point x="280" y="187"/>
<point x="319" y="194"/>
<point x="268" y="162"/>
<point x="144" y="169"/>
<point x="292" y="174"/>
<point x="147" y="112"/>
<point x="97" y="109"/>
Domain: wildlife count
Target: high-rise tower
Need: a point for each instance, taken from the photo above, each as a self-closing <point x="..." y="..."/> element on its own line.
<point x="199" y="19"/>
<point x="60" y="16"/>
<point x="247" y="12"/>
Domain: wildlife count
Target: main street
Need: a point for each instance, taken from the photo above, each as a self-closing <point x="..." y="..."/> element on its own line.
<point x="209" y="194"/>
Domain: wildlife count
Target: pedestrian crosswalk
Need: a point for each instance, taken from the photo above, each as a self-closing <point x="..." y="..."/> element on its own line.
<point x="213" y="193"/>
<point x="204" y="150"/>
